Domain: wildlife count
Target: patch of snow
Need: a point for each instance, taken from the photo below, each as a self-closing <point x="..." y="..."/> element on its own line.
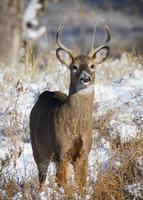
<point x="43" y="196"/>
<point x="127" y="131"/>
<point x="5" y="148"/>
<point x="1" y="78"/>
<point x="99" y="157"/>
<point x="27" y="100"/>
<point x="135" y="190"/>
<point x="25" y="165"/>
<point x="126" y="97"/>
<point x="17" y="196"/>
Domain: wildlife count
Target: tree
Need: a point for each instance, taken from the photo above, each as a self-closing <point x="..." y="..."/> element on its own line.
<point x="12" y="25"/>
<point x="11" y="12"/>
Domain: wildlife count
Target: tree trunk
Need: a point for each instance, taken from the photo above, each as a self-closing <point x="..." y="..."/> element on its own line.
<point x="11" y="12"/>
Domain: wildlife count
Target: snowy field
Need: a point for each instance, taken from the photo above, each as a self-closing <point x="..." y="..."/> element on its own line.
<point x="117" y="121"/>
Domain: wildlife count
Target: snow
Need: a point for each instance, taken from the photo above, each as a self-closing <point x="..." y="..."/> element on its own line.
<point x="26" y="100"/>
<point x="121" y="91"/>
<point x="125" y="94"/>
<point x="25" y="164"/>
<point x="135" y="190"/>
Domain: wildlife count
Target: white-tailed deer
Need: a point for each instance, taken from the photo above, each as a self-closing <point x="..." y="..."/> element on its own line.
<point x="61" y="125"/>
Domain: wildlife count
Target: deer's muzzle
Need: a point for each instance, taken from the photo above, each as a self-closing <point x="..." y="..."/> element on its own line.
<point x="84" y="78"/>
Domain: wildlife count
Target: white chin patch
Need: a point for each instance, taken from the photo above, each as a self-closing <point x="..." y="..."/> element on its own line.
<point x="87" y="90"/>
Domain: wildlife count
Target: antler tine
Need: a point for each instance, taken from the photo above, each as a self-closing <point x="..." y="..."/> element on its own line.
<point x="59" y="29"/>
<point x="93" y="51"/>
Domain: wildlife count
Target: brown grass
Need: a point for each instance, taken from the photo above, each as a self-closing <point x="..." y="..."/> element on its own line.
<point x="123" y="168"/>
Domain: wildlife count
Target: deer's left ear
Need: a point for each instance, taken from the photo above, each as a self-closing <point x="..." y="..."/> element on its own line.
<point x="101" y="55"/>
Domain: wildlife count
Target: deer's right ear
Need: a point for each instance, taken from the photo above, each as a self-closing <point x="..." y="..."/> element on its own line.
<point x="64" y="57"/>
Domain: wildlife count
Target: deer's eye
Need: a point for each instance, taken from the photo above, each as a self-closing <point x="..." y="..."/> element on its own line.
<point x="92" y="66"/>
<point x="74" y="68"/>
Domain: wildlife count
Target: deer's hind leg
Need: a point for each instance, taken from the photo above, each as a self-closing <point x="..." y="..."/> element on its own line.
<point x="42" y="165"/>
<point x="42" y="170"/>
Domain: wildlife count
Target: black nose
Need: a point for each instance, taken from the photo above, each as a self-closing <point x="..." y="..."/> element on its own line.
<point x="84" y="77"/>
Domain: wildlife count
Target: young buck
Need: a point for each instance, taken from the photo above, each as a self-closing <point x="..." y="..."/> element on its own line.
<point x="61" y="125"/>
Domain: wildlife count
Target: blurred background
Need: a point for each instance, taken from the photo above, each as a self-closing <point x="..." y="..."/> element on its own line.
<point x="36" y="21"/>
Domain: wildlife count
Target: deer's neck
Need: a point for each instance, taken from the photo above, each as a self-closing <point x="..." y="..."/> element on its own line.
<point x="82" y="100"/>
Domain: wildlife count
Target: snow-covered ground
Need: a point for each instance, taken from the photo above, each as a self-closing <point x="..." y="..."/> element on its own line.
<point x="123" y="96"/>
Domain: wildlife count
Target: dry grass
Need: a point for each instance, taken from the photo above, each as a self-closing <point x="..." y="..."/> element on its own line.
<point x="124" y="167"/>
<point x="113" y="183"/>
<point x="113" y="70"/>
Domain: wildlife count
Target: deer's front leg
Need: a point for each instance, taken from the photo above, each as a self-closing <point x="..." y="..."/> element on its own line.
<point x="81" y="171"/>
<point x="63" y="172"/>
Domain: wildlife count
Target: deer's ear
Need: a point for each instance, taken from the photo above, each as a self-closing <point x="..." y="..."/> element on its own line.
<point x="101" y="55"/>
<point x="64" y="57"/>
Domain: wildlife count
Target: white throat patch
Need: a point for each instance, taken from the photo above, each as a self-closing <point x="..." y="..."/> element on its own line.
<point x="88" y="90"/>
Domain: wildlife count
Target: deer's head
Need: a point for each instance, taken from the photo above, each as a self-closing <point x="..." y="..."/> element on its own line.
<point x="82" y="67"/>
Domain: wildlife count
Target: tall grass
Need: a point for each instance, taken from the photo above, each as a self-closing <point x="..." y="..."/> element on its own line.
<point x="124" y="170"/>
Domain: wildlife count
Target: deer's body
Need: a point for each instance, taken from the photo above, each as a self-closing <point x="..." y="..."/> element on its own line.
<point x="61" y="125"/>
<point x="64" y="122"/>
